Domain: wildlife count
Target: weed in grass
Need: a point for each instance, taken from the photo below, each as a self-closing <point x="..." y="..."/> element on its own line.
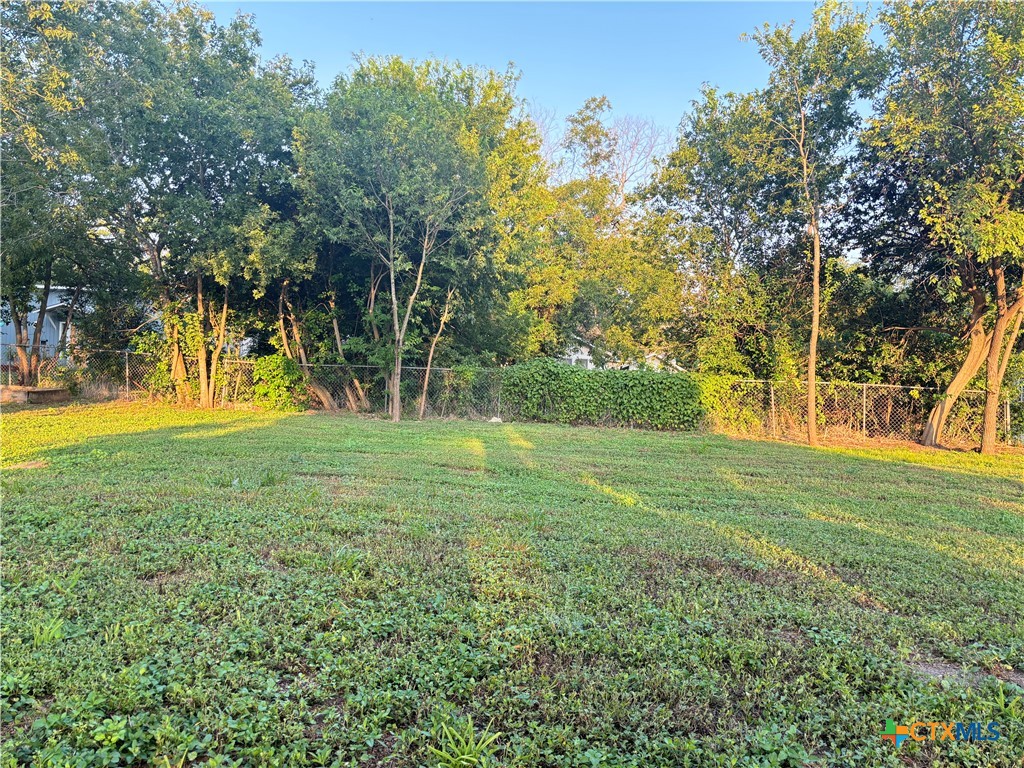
<point x="462" y="747"/>
<point x="47" y="633"/>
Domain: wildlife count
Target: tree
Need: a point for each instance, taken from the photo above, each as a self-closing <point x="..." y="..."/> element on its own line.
<point x="809" y="107"/>
<point x="596" y="280"/>
<point x="51" y="184"/>
<point x="950" y="133"/>
<point x="399" y="160"/>
<point x="719" y="218"/>
<point x="198" y="140"/>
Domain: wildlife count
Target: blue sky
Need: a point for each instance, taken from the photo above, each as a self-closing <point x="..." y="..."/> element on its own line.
<point x="649" y="59"/>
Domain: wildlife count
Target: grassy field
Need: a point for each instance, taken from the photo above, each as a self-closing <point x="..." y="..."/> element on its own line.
<point x="230" y="588"/>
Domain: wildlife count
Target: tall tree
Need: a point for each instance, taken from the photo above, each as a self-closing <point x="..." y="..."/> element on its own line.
<point x="596" y="280"/>
<point x="810" y="107"/>
<point x="949" y="137"/>
<point x="198" y="134"/>
<point x="717" y="215"/>
<point x="399" y="160"/>
<point x="48" y="182"/>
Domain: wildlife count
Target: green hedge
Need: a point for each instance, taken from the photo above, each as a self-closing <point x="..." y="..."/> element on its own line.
<point x="546" y="390"/>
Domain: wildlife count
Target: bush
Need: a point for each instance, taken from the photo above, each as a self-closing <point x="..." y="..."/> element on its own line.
<point x="278" y="384"/>
<point x="545" y="390"/>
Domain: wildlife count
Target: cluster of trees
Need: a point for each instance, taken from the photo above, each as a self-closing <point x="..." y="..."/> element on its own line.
<point x="859" y="217"/>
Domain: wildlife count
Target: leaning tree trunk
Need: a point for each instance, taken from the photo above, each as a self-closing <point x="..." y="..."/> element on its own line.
<point x="354" y="394"/>
<point x="977" y="350"/>
<point x="976" y="354"/>
<point x="993" y="383"/>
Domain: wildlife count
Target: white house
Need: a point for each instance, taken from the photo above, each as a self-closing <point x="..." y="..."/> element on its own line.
<point x="53" y="325"/>
<point x="579" y="355"/>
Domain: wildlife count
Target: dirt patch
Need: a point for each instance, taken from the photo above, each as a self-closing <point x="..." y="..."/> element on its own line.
<point x="658" y="570"/>
<point x="382" y="752"/>
<point x="270" y="561"/>
<point x="934" y="669"/>
<point x="37" y="464"/>
<point x="794" y="637"/>
<point x="315" y="729"/>
<point x="160" y="581"/>
<point x="338" y="485"/>
<point x="1009" y="675"/>
<point x="939" y="669"/>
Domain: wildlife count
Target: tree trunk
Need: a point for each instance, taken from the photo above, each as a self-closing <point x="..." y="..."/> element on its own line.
<point x="990" y="419"/>
<point x="202" y="351"/>
<point x="354" y="394"/>
<point x="996" y="364"/>
<point x="178" y="371"/>
<point x="976" y="354"/>
<point x="66" y="330"/>
<point x="297" y="337"/>
<point x="978" y="340"/>
<point x="221" y="329"/>
<point x="372" y="300"/>
<point x="433" y="345"/>
<point x="28" y="360"/>
<point x="396" y="387"/>
<point x="20" y="323"/>
<point x="280" y="321"/>
<point x="812" y="356"/>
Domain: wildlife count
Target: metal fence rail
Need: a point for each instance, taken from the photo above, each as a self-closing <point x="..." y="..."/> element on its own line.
<point x="777" y="409"/>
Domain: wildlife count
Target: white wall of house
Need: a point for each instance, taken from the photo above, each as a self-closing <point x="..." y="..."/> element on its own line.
<point x="579" y="356"/>
<point x="53" y="324"/>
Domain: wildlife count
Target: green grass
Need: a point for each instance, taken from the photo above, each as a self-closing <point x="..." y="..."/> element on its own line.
<point x="184" y="588"/>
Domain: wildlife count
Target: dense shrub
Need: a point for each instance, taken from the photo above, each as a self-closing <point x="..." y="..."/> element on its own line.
<point x="278" y="384"/>
<point x="545" y="390"/>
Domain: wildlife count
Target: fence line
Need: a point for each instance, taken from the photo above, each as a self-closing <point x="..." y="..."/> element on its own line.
<point x="751" y="407"/>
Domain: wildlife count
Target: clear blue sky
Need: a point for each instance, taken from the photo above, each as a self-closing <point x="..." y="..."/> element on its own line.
<point x="649" y="59"/>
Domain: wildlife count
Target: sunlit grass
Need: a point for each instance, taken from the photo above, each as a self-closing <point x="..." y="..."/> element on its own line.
<point x="311" y="589"/>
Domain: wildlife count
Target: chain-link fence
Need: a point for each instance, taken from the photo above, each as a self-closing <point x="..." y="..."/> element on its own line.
<point x="777" y="409"/>
<point x="848" y="411"/>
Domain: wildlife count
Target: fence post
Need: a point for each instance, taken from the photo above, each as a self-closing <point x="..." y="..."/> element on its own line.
<point x="771" y="396"/>
<point x="864" y="409"/>
<point x="127" y="381"/>
<point x="1006" y="421"/>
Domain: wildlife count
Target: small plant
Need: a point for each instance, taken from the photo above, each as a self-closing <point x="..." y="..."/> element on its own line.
<point x="272" y="477"/>
<point x="277" y="384"/>
<point x="50" y="632"/>
<point x="462" y="746"/>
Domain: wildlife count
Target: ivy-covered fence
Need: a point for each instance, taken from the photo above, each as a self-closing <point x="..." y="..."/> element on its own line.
<point x="554" y="392"/>
<point x="545" y="390"/>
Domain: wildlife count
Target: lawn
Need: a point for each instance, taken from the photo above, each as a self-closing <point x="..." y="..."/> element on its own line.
<point x="231" y="588"/>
